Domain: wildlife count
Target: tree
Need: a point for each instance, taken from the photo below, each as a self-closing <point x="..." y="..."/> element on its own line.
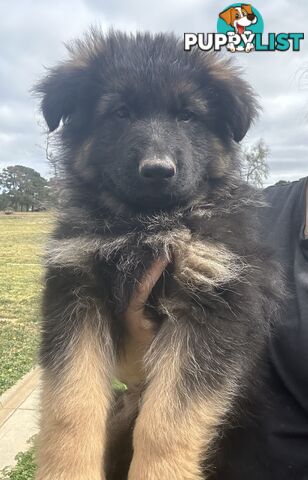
<point x="22" y="188"/>
<point x="255" y="167"/>
<point x="49" y="148"/>
<point x="52" y="159"/>
<point x="4" y="201"/>
<point x="54" y="183"/>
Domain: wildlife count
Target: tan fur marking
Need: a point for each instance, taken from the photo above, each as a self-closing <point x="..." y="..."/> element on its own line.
<point x="171" y="441"/>
<point x="74" y="413"/>
<point x="205" y="265"/>
<point x="219" y="165"/>
<point x="115" y="204"/>
<point x="81" y="161"/>
<point x="198" y="263"/>
<point x="82" y="52"/>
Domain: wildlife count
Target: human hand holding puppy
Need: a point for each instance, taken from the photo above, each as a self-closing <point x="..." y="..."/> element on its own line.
<point x="138" y="325"/>
<point x="140" y="330"/>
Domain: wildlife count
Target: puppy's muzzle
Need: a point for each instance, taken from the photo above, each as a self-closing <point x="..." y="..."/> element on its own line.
<point x="157" y="168"/>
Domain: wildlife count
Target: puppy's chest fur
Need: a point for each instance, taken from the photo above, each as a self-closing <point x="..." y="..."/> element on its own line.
<point x="112" y="258"/>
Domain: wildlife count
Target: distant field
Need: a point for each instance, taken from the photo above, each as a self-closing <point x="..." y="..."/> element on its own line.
<point x="22" y="238"/>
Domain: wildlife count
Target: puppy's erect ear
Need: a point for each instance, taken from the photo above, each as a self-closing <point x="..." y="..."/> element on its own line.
<point x="226" y="15"/>
<point x="64" y="91"/>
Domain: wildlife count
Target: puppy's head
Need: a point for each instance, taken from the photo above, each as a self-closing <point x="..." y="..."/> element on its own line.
<point x="143" y="121"/>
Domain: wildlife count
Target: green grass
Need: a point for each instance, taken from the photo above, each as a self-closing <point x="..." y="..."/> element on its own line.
<point x="22" y="238"/>
<point x="24" y="469"/>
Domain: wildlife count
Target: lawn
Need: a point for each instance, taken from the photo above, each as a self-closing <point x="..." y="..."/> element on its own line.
<point x="23" y="470"/>
<point x="22" y="238"/>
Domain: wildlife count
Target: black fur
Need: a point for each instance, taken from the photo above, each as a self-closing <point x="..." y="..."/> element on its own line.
<point x="124" y="99"/>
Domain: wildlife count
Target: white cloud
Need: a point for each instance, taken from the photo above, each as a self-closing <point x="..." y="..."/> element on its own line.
<point x="32" y="35"/>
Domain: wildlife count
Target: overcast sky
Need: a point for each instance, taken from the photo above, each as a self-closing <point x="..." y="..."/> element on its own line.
<point x="33" y="31"/>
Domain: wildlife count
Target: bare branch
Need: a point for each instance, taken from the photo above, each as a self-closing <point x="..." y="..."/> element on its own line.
<point x="255" y="168"/>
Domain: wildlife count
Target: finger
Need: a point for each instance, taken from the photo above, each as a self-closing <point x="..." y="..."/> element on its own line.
<point x="147" y="283"/>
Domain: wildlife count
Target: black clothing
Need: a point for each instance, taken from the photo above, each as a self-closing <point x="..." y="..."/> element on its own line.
<point x="273" y="443"/>
<point x="287" y="426"/>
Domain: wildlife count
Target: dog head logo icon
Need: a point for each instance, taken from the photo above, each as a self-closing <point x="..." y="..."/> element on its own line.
<point x="240" y="21"/>
<point x="239" y="18"/>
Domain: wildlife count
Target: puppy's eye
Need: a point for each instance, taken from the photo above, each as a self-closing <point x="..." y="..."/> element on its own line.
<point x="237" y="15"/>
<point x="185" y="116"/>
<point x="122" y="112"/>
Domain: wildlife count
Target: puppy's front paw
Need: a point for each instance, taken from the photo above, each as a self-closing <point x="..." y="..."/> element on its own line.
<point x="205" y="265"/>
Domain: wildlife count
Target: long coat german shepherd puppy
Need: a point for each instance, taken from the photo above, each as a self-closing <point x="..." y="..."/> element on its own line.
<point x="150" y="156"/>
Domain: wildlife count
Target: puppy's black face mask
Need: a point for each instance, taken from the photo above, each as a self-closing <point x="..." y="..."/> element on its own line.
<point x="145" y="121"/>
<point x="150" y="145"/>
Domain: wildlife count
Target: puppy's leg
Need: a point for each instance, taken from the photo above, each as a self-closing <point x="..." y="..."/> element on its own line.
<point x="178" y="418"/>
<point x="74" y="403"/>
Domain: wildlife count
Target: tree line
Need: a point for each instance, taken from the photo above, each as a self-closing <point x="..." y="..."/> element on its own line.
<point x="24" y="189"/>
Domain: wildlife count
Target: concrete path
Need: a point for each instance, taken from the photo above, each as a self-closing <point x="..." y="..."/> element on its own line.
<point x="18" y="417"/>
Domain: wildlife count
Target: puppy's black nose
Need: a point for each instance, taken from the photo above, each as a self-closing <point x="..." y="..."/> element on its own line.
<point x="157" y="168"/>
<point x="251" y="16"/>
